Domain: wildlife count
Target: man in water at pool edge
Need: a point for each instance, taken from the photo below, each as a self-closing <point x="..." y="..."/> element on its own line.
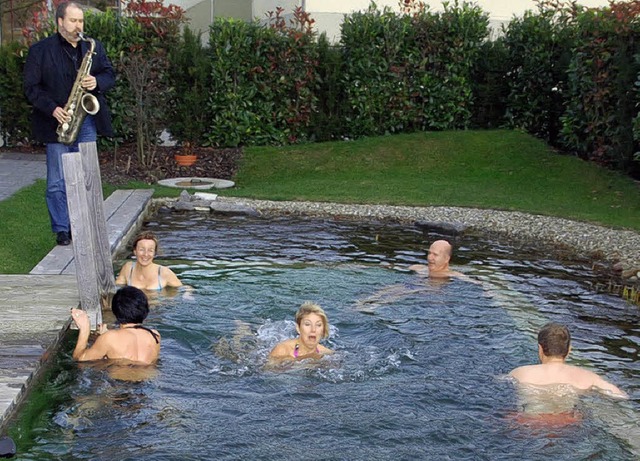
<point x="554" y="345"/>
<point x="438" y="258"/>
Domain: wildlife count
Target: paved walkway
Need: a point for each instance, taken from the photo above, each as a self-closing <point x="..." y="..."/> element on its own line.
<point x="35" y="307"/>
<point x="20" y="170"/>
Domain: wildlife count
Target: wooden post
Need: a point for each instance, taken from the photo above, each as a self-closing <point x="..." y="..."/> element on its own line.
<point x="83" y="248"/>
<point x="93" y="184"/>
<point x="92" y="253"/>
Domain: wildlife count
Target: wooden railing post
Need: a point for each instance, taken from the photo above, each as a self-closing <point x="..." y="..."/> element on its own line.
<point x="93" y="184"/>
<point x="92" y="254"/>
<point x="83" y="250"/>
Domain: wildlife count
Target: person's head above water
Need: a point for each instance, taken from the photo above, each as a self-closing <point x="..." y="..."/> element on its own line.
<point x="312" y="326"/>
<point x="554" y="340"/>
<point x="439" y="255"/>
<point x="130" y="305"/>
<point x="144" y="273"/>
<point x="310" y="311"/>
<point x="132" y="342"/>
<point x="145" y="241"/>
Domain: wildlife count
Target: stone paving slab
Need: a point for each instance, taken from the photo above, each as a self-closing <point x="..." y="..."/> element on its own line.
<point x="34" y="314"/>
<point x="20" y="170"/>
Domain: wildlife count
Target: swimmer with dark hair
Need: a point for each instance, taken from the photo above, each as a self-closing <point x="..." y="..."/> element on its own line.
<point x="132" y="342"/>
<point x="554" y="345"/>
<point x="312" y="325"/>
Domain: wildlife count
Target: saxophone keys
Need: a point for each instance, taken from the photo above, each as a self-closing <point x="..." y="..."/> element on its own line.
<point x="65" y="126"/>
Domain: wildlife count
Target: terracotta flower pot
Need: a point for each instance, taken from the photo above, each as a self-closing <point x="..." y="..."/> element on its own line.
<point x="185" y="160"/>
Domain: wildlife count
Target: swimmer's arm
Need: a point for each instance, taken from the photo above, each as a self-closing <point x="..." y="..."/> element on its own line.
<point x="82" y="353"/>
<point x="608" y="388"/>
<point x="171" y="278"/>
<point x="122" y="278"/>
<point x="385" y="294"/>
<point x="280" y="352"/>
<point x="325" y="350"/>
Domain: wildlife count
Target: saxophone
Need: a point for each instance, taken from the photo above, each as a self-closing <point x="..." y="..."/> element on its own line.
<point x="80" y="102"/>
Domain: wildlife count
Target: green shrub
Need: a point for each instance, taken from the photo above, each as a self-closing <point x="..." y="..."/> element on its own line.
<point x="14" y="108"/>
<point x="263" y="81"/>
<point x="412" y="71"/>
<point x="539" y="49"/>
<point x="599" y="119"/>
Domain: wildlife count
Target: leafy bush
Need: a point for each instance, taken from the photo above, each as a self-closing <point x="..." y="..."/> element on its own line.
<point x="539" y="48"/>
<point x="412" y="71"/>
<point x="599" y="119"/>
<point x="263" y="81"/>
<point x="14" y="108"/>
<point x="490" y="85"/>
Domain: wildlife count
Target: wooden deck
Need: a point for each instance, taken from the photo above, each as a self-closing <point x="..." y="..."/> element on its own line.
<point x="34" y="308"/>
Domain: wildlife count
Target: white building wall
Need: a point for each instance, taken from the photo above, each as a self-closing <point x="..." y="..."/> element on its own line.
<point x="328" y="14"/>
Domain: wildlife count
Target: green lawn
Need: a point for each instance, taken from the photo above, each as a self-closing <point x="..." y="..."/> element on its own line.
<point x="497" y="169"/>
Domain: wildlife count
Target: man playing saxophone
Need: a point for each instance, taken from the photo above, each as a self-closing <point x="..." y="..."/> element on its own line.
<point x="52" y="71"/>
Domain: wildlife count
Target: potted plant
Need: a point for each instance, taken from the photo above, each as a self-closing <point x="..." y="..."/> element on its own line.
<point x="186" y="155"/>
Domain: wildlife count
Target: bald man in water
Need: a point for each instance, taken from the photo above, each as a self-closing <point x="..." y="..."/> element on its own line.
<point x="438" y="258"/>
<point x="554" y="344"/>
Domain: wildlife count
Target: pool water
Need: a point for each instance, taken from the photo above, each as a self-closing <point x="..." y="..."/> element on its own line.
<point x="419" y="370"/>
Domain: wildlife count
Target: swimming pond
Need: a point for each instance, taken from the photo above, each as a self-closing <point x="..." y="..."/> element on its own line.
<point x="418" y="373"/>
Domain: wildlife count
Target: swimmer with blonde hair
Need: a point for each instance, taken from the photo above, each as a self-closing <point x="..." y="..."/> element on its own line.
<point x="312" y="325"/>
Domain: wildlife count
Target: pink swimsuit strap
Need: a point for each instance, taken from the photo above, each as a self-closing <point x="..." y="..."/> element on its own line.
<point x="295" y="351"/>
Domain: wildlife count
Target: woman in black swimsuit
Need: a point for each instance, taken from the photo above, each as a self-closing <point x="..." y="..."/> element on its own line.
<point x="131" y="343"/>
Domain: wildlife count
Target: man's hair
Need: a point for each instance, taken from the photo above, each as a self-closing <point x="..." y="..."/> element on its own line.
<point x="312" y="308"/>
<point x="61" y="11"/>
<point x="555" y="340"/>
<point x="130" y="305"/>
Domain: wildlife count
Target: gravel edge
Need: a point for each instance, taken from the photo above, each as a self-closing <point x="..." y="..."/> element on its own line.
<point x="583" y="239"/>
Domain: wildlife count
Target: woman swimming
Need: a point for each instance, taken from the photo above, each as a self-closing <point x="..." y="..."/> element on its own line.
<point x="312" y="326"/>
<point x="143" y="273"/>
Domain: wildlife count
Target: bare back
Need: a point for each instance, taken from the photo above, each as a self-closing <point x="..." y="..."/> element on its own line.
<point x="134" y="344"/>
<point x="560" y="373"/>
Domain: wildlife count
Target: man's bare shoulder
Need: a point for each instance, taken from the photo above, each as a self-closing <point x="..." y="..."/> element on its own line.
<point x="420" y="268"/>
<point x="524" y="372"/>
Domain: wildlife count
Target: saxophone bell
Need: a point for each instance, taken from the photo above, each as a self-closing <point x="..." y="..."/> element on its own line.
<point x="90" y="104"/>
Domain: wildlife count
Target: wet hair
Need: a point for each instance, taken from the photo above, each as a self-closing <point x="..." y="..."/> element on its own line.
<point x="130" y="305"/>
<point x="61" y="10"/>
<point x="309" y="307"/>
<point x="555" y="340"/>
<point x="146" y="235"/>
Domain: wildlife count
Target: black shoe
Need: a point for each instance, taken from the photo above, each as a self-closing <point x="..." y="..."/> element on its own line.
<point x="63" y="238"/>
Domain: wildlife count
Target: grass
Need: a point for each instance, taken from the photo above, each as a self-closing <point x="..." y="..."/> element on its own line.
<point x="497" y="169"/>
<point x="26" y="231"/>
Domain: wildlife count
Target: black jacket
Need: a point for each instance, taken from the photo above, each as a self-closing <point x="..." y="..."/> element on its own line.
<point x="48" y="83"/>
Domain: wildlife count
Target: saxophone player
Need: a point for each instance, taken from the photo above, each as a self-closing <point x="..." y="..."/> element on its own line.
<point x="50" y="74"/>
